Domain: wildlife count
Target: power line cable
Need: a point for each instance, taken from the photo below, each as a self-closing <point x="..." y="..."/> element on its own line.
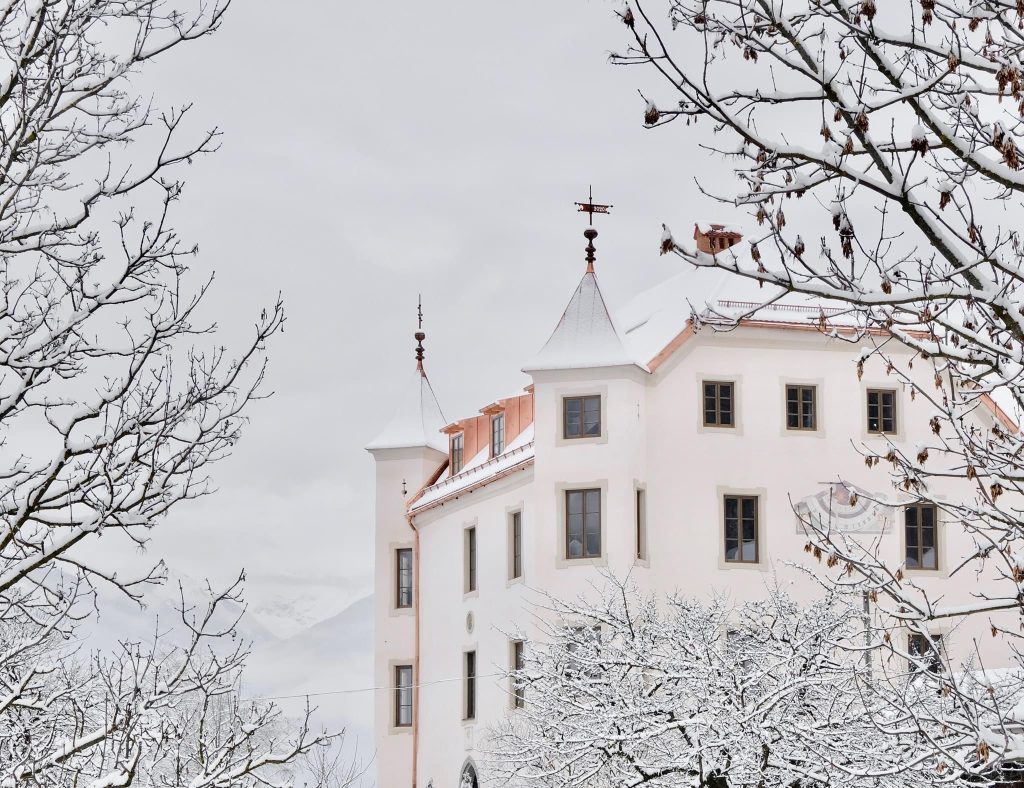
<point x="389" y="688"/>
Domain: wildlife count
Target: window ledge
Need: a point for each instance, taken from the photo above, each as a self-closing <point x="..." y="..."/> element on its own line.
<point x="568" y="562"/>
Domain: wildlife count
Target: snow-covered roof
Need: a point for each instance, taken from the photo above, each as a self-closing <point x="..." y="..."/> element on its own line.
<point x="654" y="317"/>
<point x="586" y="336"/>
<point x="417" y="421"/>
<point x="516" y="456"/>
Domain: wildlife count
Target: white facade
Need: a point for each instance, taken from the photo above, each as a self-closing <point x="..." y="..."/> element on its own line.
<point x="653" y="438"/>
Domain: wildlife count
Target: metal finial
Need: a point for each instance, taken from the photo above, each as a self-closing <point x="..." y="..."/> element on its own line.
<point x="590" y="234"/>
<point x="590" y="207"/>
<point x="420" y="336"/>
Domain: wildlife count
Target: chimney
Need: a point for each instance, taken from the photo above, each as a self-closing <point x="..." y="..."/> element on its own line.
<point x="713" y="238"/>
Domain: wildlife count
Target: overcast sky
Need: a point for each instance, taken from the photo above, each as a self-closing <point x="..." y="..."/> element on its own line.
<point x="373" y="151"/>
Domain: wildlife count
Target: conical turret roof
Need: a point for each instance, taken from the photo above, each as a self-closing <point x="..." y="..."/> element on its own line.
<point x="417" y="421"/>
<point x="586" y="336"/>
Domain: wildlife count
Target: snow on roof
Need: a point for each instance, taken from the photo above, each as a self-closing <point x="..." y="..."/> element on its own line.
<point x="586" y="336"/>
<point x="517" y="455"/>
<point x="718" y="227"/>
<point x="654" y="317"/>
<point x="417" y="421"/>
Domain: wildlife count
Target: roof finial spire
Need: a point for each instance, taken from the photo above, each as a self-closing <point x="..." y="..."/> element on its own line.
<point x="590" y="233"/>
<point x="420" y="336"/>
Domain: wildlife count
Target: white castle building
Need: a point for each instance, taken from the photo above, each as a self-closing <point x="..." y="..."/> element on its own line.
<point x="642" y="446"/>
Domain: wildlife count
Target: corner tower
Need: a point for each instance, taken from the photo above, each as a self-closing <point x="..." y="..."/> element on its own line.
<point x="408" y="453"/>
<point x="590" y="395"/>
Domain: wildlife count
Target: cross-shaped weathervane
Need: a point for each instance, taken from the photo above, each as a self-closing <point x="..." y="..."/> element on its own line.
<point x="590" y="233"/>
<point x="591" y="207"/>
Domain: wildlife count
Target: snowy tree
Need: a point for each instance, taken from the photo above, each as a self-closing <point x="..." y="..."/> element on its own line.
<point x="111" y="410"/>
<point x="910" y="181"/>
<point x="630" y="690"/>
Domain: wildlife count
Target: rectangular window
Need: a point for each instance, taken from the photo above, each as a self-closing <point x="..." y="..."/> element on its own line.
<point x="582" y="523"/>
<point x="470" y="560"/>
<point x="801" y="408"/>
<point x="927" y="649"/>
<point x="403" y="567"/>
<point x="497" y="434"/>
<point x="881" y="411"/>
<point x="516" y="569"/>
<point x="518" y="664"/>
<point x="583" y="646"/>
<point x="738" y="645"/>
<point x="920" y="529"/>
<point x="469" y="713"/>
<point x="581" y="417"/>
<point x="403" y="696"/>
<point x="741" y="537"/>
<point x="457" y="451"/>
<point x="641" y="524"/>
<point x="719" y="407"/>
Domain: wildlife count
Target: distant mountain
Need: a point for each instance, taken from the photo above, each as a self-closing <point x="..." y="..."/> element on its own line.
<point x="333" y="656"/>
<point x="120" y="619"/>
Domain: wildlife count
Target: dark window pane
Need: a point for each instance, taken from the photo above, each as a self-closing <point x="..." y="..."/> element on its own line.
<point x="583" y="523"/>
<point x="403" y="696"/>
<point x="470" y="685"/>
<point x="725" y="404"/>
<point x="404" y="580"/>
<point x="740" y="526"/>
<point x="471" y="559"/>
<point x="518" y="664"/>
<point x="457" y="453"/>
<point x="497" y="434"/>
<point x="920" y="536"/>
<point x="575" y="543"/>
<point x="517" y="544"/>
<point x="592" y="415"/>
<point x="718" y="404"/>
<point x="882" y="411"/>
<point x="573" y="418"/>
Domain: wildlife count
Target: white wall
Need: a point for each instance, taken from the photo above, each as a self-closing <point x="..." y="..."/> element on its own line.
<point x="653" y="437"/>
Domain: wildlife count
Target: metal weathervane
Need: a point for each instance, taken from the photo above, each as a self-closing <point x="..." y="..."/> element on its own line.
<point x="590" y="207"/>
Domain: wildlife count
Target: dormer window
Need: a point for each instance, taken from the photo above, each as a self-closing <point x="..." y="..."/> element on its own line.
<point x="497" y="434"/>
<point x="457" y="452"/>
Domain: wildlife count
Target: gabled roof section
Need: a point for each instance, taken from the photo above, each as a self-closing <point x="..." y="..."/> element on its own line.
<point x="586" y="336"/>
<point x="417" y="422"/>
<point x="516" y="457"/>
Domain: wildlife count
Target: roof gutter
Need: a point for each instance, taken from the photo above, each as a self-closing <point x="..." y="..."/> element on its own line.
<point x="525" y="463"/>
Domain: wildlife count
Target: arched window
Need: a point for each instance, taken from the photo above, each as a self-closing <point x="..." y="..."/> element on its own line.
<point x="469" y="777"/>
